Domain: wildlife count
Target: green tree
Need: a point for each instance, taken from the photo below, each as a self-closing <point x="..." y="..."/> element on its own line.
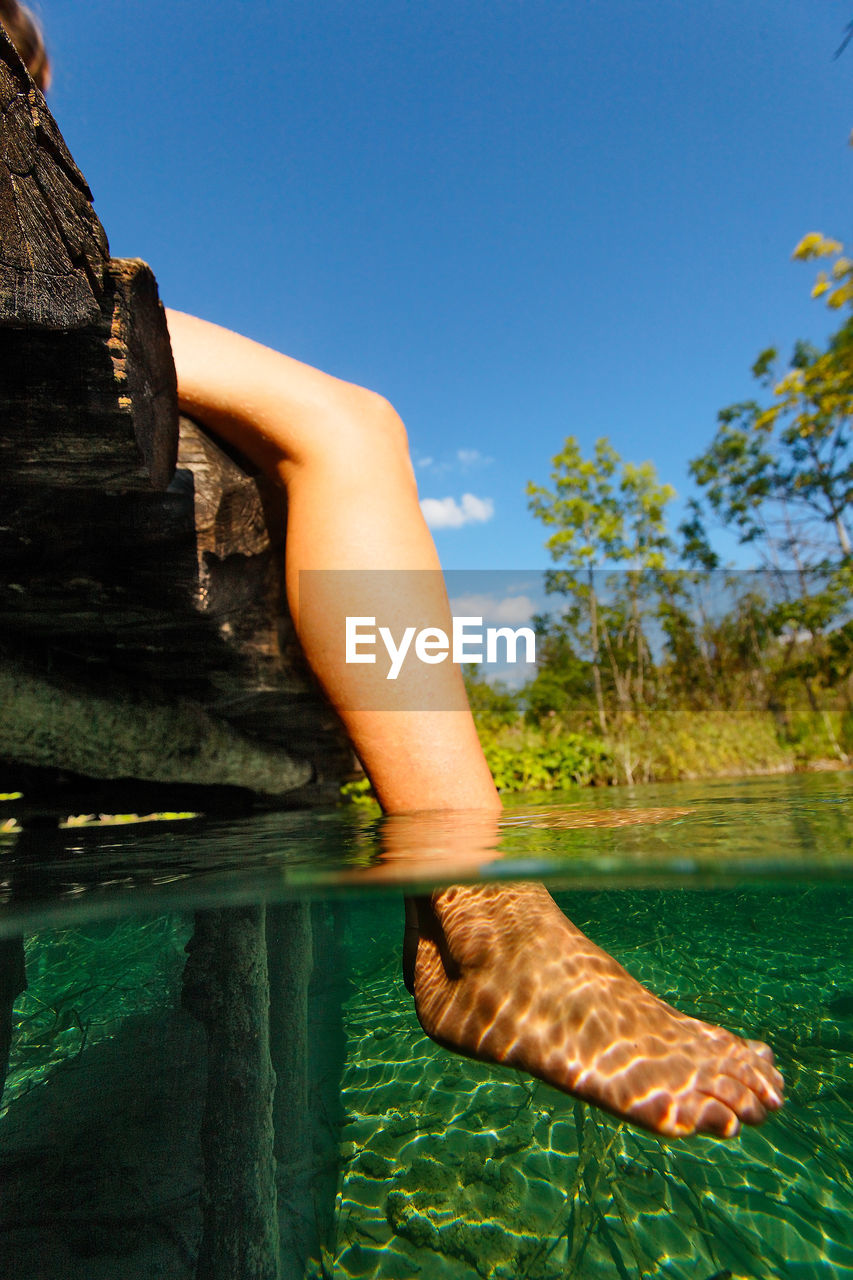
<point x="493" y="705"/>
<point x="781" y="472"/>
<point x="604" y="514"/>
<point x="583" y="509"/>
<point x="562" y="679"/>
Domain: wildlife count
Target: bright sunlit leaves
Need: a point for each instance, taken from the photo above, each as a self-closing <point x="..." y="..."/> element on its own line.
<point x="781" y="473"/>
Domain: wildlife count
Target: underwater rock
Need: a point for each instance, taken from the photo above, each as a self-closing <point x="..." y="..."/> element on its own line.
<point x="517" y="1136"/>
<point x="484" y="1245"/>
<point x="53" y="722"/>
<point x="429" y="1175"/>
<point x="497" y="1174"/>
<point x="372" y="1165"/>
<point x="404" y="1218"/>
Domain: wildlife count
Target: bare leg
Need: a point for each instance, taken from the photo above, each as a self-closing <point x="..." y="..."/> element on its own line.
<point x="498" y="972"/>
<point x="352" y="500"/>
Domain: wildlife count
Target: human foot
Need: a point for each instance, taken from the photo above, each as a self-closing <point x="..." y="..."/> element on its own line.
<point x="500" y="974"/>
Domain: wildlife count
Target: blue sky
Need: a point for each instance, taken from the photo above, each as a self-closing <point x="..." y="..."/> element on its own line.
<point x="518" y="219"/>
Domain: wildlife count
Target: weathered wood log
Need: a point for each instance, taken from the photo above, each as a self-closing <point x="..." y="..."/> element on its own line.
<point x="239" y="521"/>
<point x="97" y="406"/>
<point x="53" y="250"/>
<point x="133" y="601"/>
<point x="108" y="578"/>
<point x="89" y="392"/>
<point x="175" y="595"/>
<point x="290" y="961"/>
<point x="100" y="1165"/>
<point x="227" y="988"/>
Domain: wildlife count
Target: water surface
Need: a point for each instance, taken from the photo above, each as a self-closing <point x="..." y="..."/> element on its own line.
<point x="403" y="1159"/>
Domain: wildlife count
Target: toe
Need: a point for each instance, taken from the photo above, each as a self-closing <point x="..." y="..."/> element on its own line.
<point x="693" y="1112"/>
<point x="740" y="1098"/>
<point x="775" y="1082"/>
<point x="763" y="1079"/>
<point x="701" y="1113"/>
<point x="761" y="1050"/>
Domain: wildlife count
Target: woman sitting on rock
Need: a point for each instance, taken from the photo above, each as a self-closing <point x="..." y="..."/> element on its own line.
<point x="497" y="971"/>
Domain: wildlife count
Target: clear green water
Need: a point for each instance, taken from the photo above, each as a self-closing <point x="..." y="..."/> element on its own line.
<point x="396" y="1158"/>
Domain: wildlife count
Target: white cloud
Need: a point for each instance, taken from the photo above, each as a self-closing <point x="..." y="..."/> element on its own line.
<point x="447" y="513"/>
<point x="460" y="461"/>
<point x="472" y="458"/>
<point x="509" y="609"/>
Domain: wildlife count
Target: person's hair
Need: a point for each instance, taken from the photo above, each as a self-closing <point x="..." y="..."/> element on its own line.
<point x="25" y="33"/>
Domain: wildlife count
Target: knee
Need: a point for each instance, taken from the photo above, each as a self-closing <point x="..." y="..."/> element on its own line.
<point x="368" y="427"/>
<point x="377" y="421"/>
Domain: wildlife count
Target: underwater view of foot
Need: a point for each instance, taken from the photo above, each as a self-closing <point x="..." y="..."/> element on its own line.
<point x="499" y="973"/>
